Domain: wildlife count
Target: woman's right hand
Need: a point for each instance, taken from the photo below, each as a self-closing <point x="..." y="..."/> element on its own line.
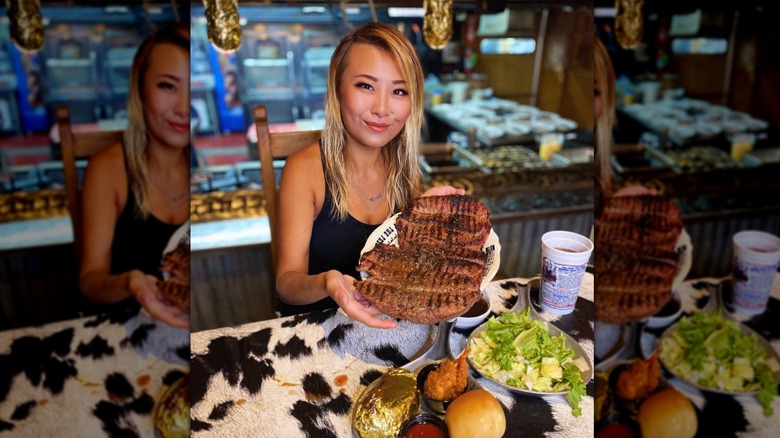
<point x="144" y="288"/>
<point x="342" y="289"/>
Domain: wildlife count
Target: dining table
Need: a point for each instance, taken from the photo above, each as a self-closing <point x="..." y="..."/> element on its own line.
<point x="719" y="414"/>
<point x="98" y="375"/>
<point x="300" y="376"/>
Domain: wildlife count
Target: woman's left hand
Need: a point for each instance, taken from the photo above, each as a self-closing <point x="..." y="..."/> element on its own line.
<point x="443" y="191"/>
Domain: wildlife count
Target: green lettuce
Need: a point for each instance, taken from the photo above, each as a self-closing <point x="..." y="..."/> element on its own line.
<point x="710" y="350"/>
<point x="519" y="351"/>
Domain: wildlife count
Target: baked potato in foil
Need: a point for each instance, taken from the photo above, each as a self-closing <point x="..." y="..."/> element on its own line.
<point x="386" y="404"/>
<point x="171" y="413"/>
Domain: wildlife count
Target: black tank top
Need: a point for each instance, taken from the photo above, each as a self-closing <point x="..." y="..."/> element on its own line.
<point x="334" y="245"/>
<point x="137" y="244"/>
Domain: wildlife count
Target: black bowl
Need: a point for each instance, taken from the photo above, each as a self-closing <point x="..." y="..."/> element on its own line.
<point x="437" y="406"/>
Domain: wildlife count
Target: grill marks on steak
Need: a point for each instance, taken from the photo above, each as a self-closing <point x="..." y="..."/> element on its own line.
<point x="430" y="233"/>
<point x="636" y="270"/>
<point x="394" y="262"/>
<point x="420" y="303"/>
<point x="436" y="272"/>
<point x="176" y="272"/>
<point x="444" y="207"/>
<point x="444" y="220"/>
<point x="645" y="224"/>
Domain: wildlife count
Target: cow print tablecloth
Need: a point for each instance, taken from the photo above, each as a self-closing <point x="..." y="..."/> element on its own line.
<point x="95" y="376"/>
<point x="719" y="415"/>
<point x="299" y="376"/>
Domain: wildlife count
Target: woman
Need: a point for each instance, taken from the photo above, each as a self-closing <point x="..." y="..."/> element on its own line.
<point x="334" y="193"/>
<point x="604" y="114"/>
<point x="136" y="194"/>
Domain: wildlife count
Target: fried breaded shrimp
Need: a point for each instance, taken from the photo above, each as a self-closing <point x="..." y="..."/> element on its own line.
<point x="639" y="380"/>
<point x="449" y="380"/>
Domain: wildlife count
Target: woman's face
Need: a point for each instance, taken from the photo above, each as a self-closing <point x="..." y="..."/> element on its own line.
<point x="374" y="97"/>
<point x="166" y="96"/>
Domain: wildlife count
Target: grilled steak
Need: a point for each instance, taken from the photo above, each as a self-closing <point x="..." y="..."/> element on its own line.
<point x="435" y="233"/>
<point x="176" y="273"/>
<point x="420" y="303"/>
<point x="436" y="271"/>
<point x="444" y="220"/>
<point x="443" y="206"/>
<point x="390" y="261"/>
<point x="636" y="270"/>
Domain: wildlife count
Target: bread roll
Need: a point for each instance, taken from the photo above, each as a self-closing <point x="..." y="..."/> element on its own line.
<point x="475" y="414"/>
<point x="667" y="414"/>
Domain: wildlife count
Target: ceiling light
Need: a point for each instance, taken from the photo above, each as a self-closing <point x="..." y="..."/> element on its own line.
<point x="26" y="24"/>
<point x="224" y="24"/>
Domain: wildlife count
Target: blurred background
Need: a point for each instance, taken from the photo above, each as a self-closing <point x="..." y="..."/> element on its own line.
<point x="698" y="114"/>
<point x="510" y="72"/>
<point x="84" y="63"/>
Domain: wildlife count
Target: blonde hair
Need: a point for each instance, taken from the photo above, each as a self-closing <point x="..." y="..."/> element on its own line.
<point x="604" y="76"/>
<point x="136" y="136"/>
<point x="400" y="154"/>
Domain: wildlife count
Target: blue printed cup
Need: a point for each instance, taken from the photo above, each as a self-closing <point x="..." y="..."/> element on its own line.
<point x="565" y="257"/>
<point x="756" y="257"/>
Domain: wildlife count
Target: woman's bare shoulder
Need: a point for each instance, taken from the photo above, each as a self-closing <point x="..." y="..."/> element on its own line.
<point x="307" y="159"/>
<point x="110" y="160"/>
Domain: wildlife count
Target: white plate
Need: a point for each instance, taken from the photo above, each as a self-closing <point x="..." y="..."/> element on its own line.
<point x="182" y="234"/>
<point x="386" y="233"/>
<point x="684" y="250"/>
<point x="566" y="125"/>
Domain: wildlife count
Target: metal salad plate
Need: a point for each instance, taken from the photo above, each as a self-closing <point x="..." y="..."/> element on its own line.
<point x="772" y="360"/>
<point x="580" y="357"/>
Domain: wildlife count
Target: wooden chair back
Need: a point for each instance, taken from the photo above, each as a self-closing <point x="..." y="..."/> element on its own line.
<point x="273" y="146"/>
<point x="79" y="145"/>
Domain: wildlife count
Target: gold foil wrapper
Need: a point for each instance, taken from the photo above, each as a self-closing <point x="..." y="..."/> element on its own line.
<point x="172" y="411"/>
<point x="25" y="24"/>
<point x="437" y="23"/>
<point x="386" y="404"/>
<point x="629" y="22"/>
<point x="224" y="28"/>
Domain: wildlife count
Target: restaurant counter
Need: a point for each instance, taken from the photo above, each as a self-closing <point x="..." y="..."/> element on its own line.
<point x="301" y="375"/>
<point x="718" y="414"/>
<point x="90" y="376"/>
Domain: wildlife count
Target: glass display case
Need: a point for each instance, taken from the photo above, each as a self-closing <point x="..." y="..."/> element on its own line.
<point x="9" y="119"/>
<point x="71" y="71"/>
<point x="118" y="48"/>
<point x="268" y="63"/>
<point x="203" y="106"/>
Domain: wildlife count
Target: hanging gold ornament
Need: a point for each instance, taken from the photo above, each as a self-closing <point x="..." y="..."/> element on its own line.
<point x="437" y="24"/>
<point x="629" y="22"/>
<point x="26" y="24"/>
<point x="224" y="27"/>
